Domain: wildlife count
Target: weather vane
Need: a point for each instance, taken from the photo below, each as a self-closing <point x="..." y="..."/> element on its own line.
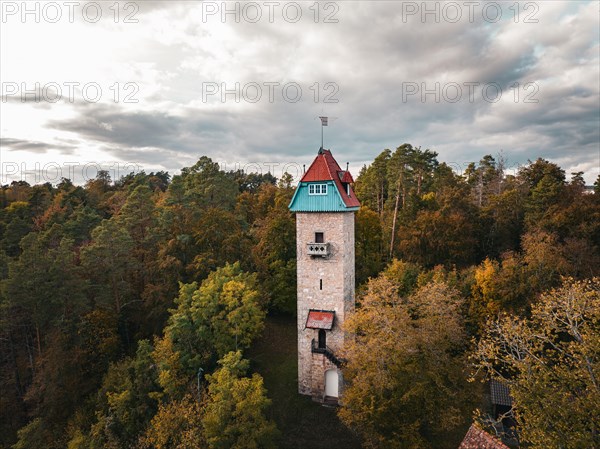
<point x="325" y="122"/>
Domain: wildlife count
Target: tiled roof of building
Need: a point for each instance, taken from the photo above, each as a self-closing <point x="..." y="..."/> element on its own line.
<point x="320" y="319"/>
<point x="325" y="168"/>
<point x="500" y="393"/>
<point x="477" y="438"/>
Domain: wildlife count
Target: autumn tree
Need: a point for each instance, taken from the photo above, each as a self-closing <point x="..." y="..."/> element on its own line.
<point x="405" y="372"/>
<point x="551" y="363"/>
<point x="444" y="231"/>
<point x="486" y="299"/>
<point x="98" y="189"/>
<point x="403" y="275"/>
<point x="176" y="425"/>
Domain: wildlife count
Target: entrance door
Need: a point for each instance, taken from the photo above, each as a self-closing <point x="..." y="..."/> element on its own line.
<point x="331" y="383"/>
<point x="322" y="339"/>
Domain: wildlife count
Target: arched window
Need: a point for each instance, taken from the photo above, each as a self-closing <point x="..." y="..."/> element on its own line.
<point x="322" y="339"/>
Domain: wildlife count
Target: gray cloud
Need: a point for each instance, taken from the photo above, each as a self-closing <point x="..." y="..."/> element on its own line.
<point x="371" y="53"/>
<point x="35" y="147"/>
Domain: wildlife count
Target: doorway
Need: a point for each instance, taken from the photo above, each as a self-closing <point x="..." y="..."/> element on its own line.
<point x="331" y="383"/>
<point x="322" y="339"/>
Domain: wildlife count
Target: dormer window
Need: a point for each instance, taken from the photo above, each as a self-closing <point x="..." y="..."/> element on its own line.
<point x="317" y="189"/>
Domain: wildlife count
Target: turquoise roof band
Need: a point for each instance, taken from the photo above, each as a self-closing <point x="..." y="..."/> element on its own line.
<point x="332" y="202"/>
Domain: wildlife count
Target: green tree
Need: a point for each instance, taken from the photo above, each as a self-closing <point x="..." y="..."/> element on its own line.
<point x="33" y="435"/>
<point x="546" y="182"/>
<point x="484" y="179"/>
<point x="195" y="216"/>
<point x="208" y="185"/>
<point x="126" y="401"/>
<point x="274" y="253"/>
<point x="372" y="183"/>
<point x="18" y="223"/>
<point x="226" y="309"/>
<point x="44" y="282"/>
<point x="223" y="314"/>
<point x="503" y="221"/>
<point x="234" y="417"/>
<point x="108" y="262"/>
<point x="551" y="363"/>
<point x="220" y="238"/>
<point x="153" y="282"/>
<point x="369" y="244"/>
<point x="399" y="175"/>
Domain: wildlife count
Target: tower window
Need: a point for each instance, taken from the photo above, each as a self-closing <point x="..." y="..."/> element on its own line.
<point x="317" y="189"/>
<point x="319" y="238"/>
<point x="320" y="284"/>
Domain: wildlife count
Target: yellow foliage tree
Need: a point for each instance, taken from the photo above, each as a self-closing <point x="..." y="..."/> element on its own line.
<point x="176" y="425"/>
<point x="551" y="363"/>
<point x="405" y="368"/>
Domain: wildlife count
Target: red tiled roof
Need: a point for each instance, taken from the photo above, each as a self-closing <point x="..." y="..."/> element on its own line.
<point x="477" y="438"/>
<point x="319" y="319"/>
<point x="325" y="168"/>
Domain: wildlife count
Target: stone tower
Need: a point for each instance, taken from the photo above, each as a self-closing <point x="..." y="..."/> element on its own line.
<point x="324" y="203"/>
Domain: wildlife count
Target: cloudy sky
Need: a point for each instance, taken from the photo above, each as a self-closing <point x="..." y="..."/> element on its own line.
<point x="154" y="85"/>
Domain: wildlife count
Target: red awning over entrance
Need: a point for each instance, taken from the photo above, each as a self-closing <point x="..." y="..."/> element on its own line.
<point x="320" y="319"/>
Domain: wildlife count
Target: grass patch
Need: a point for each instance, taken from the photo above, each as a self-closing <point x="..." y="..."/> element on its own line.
<point x="302" y="422"/>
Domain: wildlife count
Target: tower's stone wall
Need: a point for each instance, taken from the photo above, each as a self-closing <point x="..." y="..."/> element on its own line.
<point x="337" y="275"/>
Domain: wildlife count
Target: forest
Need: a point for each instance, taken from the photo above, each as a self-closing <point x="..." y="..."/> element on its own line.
<point x="129" y="307"/>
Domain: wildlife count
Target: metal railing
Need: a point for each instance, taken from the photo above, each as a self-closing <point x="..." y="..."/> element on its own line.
<point x="327" y="352"/>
